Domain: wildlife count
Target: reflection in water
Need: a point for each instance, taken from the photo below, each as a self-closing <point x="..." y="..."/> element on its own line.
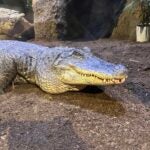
<point x="94" y="101"/>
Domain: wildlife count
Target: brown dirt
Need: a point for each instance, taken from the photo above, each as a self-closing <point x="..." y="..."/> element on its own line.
<point x="31" y="119"/>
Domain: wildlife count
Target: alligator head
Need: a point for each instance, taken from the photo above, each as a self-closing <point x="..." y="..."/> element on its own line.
<point x="79" y="67"/>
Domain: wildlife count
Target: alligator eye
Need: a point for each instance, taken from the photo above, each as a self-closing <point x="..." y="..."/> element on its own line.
<point x="78" y="54"/>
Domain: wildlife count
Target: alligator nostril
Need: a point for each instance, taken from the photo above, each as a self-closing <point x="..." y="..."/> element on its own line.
<point x="119" y="67"/>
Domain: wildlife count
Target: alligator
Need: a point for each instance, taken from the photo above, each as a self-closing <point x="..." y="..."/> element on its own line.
<point x="56" y="69"/>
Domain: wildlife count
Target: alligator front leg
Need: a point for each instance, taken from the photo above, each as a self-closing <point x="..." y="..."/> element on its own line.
<point x="7" y="74"/>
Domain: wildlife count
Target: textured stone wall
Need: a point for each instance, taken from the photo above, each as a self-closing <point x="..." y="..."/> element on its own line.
<point x="90" y="19"/>
<point x="126" y="25"/>
<point x="61" y="19"/>
<point x="49" y="19"/>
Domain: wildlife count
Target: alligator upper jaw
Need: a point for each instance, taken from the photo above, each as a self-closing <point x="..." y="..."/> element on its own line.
<point x="94" y="78"/>
<point x="105" y="80"/>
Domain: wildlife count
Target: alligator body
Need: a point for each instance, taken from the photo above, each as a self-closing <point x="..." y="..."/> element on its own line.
<point x="56" y="70"/>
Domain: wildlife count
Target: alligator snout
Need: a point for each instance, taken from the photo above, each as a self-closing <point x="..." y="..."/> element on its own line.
<point x="121" y="71"/>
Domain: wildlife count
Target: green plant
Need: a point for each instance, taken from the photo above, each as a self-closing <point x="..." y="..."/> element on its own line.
<point x="145" y="8"/>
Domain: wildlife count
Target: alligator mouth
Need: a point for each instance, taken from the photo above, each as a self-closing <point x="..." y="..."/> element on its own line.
<point x="117" y="80"/>
<point x="104" y="80"/>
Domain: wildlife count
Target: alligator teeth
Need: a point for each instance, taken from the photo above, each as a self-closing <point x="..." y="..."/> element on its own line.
<point x="115" y="80"/>
<point x="122" y="80"/>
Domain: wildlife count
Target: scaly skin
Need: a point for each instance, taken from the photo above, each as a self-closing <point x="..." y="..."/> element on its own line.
<point x="56" y="70"/>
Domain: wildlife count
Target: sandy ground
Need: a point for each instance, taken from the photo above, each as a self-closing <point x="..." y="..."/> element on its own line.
<point x="88" y="120"/>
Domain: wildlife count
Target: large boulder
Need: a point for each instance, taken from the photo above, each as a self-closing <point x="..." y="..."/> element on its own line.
<point x="61" y="19"/>
<point x="55" y="19"/>
<point x="13" y="24"/>
<point x="126" y="26"/>
<point x="23" y="6"/>
<point x="49" y="18"/>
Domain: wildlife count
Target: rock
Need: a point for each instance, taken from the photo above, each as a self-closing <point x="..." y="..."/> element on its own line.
<point x="8" y="20"/>
<point x="49" y="19"/>
<point x="67" y="19"/>
<point x="23" y="6"/>
<point x="13" y="24"/>
<point x="130" y="17"/>
<point x="60" y="19"/>
<point x="18" y="5"/>
<point x="23" y="30"/>
<point x="4" y="37"/>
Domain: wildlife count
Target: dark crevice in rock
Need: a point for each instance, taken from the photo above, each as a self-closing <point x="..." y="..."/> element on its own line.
<point x="77" y="17"/>
<point x="92" y="19"/>
<point x="103" y="18"/>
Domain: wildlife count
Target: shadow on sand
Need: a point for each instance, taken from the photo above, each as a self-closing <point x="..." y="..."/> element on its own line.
<point x="57" y="134"/>
<point x="91" y="98"/>
<point x="139" y="91"/>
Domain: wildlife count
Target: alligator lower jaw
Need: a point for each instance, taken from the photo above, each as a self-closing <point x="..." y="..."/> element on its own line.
<point x="113" y="81"/>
